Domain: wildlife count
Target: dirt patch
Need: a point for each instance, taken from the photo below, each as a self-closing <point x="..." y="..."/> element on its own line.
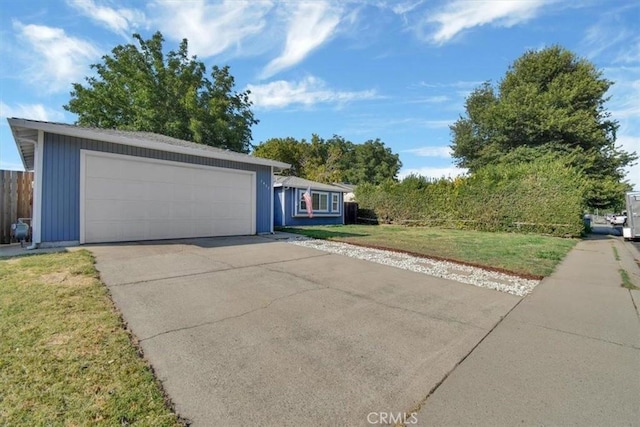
<point x="65" y="278"/>
<point x="58" y="340"/>
<point x="54" y="278"/>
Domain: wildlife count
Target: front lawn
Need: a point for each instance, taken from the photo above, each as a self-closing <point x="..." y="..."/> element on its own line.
<point x="525" y="254"/>
<point x="65" y="358"/>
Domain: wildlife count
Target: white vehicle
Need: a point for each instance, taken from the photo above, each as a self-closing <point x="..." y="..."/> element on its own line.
<point x="618" y="219"/>
<point x="632" y="227"/>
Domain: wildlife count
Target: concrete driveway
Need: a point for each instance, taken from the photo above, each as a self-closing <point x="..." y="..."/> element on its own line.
<point x="255" y="331"/>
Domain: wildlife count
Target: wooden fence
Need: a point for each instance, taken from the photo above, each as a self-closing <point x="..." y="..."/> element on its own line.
<point x="350" y="212"/>
<point x="16" y="194"/>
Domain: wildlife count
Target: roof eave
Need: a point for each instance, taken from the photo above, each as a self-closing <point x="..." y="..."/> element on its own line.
<point x="80" y="132"/>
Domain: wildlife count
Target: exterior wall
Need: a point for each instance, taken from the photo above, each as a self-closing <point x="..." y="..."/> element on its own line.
<point x="278" y="203"/>
<point x="292" y="219"/>
<point x="61" y="182"/>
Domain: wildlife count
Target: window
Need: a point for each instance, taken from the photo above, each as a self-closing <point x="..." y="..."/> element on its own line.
<point x="335" y="203"/>
<point x="319" y="201"/>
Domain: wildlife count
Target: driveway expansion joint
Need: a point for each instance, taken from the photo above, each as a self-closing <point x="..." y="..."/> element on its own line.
<point x="579" y="335"/>
<point x="372" y="300"/>
<point x="421" y="403"/>
<point x="202" y="273"/>
<point x="235" y="316"/>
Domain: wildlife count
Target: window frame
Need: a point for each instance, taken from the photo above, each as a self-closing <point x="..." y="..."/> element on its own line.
<point x="335" y="202"/>
<point x="319" y="196"/>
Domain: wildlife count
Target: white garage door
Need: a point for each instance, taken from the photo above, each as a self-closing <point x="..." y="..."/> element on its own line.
<point x="126" y="198"/>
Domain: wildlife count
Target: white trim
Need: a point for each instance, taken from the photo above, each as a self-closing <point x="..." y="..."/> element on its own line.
<point x="83" y="173"/>
<point x="315" y="215"/>
<point x="271" y="199"/>
<point x="254" y="201"/>
<point x="302" y="212"/>
<point x="83" y="158"/>
<point x="333" y="195"/>
<point x="284" y="207"/>
<point x="88" y="133"/>
<point x="38" y="161"/>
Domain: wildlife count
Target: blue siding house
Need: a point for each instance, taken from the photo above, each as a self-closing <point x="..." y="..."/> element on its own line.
<point x="290" y="208"/>
<point x="103" y="185"/>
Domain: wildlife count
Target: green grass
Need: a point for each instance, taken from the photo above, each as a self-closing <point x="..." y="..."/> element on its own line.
<point x="626" y="280"/>
<point x="65" y="357"/>
<point x="616" y="255"/>
<point x="525" y="254"/>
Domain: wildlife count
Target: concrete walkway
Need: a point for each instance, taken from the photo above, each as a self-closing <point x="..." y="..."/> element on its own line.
<point x="568" y="354"/>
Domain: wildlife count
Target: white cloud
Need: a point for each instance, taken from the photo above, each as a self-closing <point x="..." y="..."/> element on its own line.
<point x="308" y="91"/>
<point x="54" y="59"/>
<point x="406" y="7"/>
<point x="310" y="25"/>
<point x="435" y="151"/>
<point x="30" y="111"/>
<point x="211" y="28"/>
<point x="433" y="172"/>
<point x="437" y="99"/>
<point x="461" y="15"/>
<point x="631" y="144"/>
<point x="625" y="95"/>
<point x="461" y="84"/>
<point x="121" y="21"/>
<point x="435" y="124"/>
<point x="612" y="38"/>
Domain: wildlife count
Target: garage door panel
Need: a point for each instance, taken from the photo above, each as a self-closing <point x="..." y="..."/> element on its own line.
<point x="103" y="188"/>
<point x="104" y="210"/>
<point x="131" y="198"/>
<point x="181" y="192"/>
<point x="97" y="169"/>
<point x="159" y="193"/>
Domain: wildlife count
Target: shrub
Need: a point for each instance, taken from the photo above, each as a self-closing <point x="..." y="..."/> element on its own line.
<point x="544" y="196"/>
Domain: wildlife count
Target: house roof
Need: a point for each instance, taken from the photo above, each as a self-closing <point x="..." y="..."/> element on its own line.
<point x="350" y="188"/>
<point x="25" y="133"/>
<point x="295" y="182"/>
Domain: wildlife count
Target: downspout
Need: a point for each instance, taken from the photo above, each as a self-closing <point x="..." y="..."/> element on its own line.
<point x="36" y="208"/>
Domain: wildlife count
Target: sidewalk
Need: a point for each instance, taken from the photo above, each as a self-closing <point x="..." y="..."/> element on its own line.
<point x="568" y="354"/>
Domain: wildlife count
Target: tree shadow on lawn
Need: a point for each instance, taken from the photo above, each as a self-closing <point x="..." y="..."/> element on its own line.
<point x="327" y="233"/>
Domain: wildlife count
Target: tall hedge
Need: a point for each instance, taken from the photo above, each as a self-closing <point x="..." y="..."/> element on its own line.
<point x="544" y="196"/>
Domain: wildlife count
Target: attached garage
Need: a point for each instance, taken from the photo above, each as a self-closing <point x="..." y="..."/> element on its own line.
<point x="100" y="185"/>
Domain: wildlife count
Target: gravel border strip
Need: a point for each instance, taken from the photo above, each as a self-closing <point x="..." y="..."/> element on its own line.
<point x="444" y="269"/>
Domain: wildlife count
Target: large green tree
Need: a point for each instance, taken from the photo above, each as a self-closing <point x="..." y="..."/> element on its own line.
<point x="334" y="159"/>
<point x="140" y="88"/>
<point x="549" y="102"/>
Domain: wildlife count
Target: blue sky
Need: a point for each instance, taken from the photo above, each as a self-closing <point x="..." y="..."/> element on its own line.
<point x="394" y="70"/>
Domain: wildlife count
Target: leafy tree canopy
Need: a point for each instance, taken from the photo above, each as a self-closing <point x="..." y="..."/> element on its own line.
<point x="549" y="102"/>
<point x="139" y="88"/>
<point x="334" y="159"/>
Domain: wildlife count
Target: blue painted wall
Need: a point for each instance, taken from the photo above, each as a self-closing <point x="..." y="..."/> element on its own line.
<point x="293" y="219"/>
<point x="277" y="206"/>
<point x="61" y="182"/>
